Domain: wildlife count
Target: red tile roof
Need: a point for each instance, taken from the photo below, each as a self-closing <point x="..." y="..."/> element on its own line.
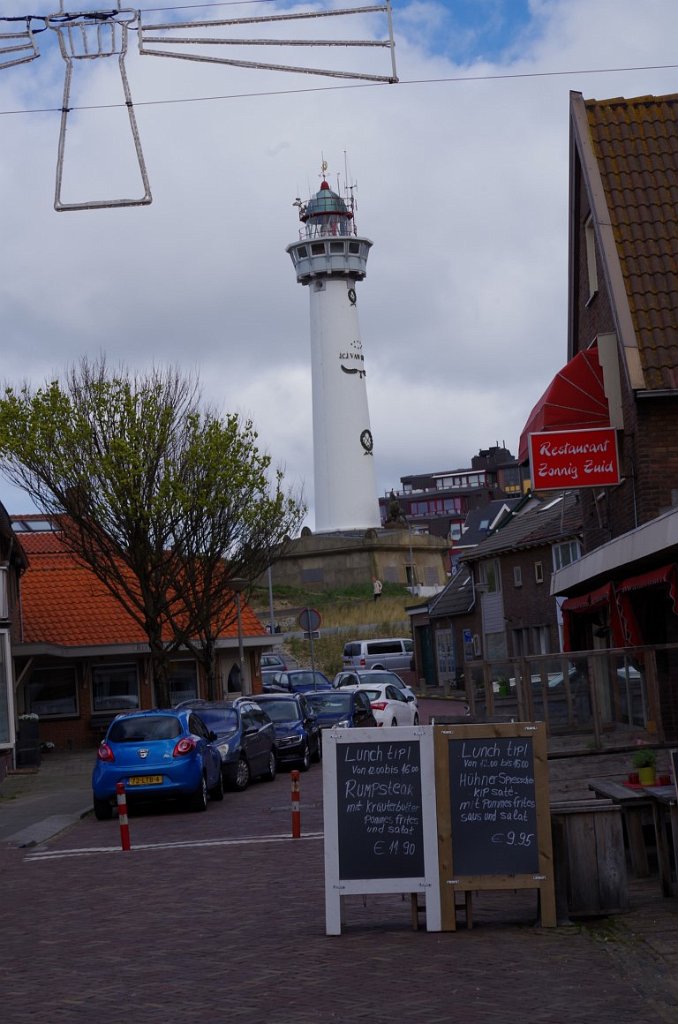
<point x="63" y="603"/>
<point x="635" y="142"/>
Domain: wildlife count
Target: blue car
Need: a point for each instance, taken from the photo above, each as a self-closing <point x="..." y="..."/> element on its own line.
<point x="297" y="730"/>
<point x="342" y="709"/>
<point x="157" y="755"/>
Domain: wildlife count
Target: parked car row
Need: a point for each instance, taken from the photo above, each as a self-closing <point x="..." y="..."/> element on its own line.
<point x="196" y="750"/>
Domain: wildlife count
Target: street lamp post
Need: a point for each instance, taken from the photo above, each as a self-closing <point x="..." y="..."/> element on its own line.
<point x="237" y="585"/>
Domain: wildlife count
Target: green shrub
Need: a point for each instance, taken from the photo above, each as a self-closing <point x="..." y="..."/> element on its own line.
<point x="645" y="758"/>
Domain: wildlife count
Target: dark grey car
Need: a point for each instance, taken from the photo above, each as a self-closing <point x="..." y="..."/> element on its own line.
<point x="245" y="740"/>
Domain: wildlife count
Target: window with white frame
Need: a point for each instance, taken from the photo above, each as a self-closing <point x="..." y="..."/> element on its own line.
<point x="6" y="690"/>
<point x="517" y="576"/>
<point x="566" y="553"/>
<point x="115" y="687"/>
<point x="538" y="572"/>
<point x="53" y="692"/>
<point x="490" y="576"/>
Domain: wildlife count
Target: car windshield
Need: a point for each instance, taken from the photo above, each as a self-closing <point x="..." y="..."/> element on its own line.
<point x="301" y="678"/>
<point x="281" y="710"/>
<point x="329" y="701"/>
<point x="220" y="719"/>
<point x="380" y="678"/>
<point x="135" y="730"/>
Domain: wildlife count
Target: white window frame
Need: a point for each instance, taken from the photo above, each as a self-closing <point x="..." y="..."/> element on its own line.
<point x="7" y="692"/>
<point x="517" y="576"/>
<point x="538" y="572"/>
<point x="573" y="549"/>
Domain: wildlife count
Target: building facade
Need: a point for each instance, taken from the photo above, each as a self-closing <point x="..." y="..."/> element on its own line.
<point x="79" y="657"/>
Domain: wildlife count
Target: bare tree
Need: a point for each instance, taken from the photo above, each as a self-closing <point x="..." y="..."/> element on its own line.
<point x="138" y="475"/>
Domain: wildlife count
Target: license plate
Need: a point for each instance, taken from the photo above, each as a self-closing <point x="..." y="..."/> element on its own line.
<point x="145" y="780"/>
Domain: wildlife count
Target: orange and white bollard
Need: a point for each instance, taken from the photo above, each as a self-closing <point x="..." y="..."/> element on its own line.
<point x="296" y="805"/>
<point x="122" y="814"/>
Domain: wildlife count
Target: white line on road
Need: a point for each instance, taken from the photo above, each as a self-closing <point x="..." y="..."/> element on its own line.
<point x="184" y="844"/>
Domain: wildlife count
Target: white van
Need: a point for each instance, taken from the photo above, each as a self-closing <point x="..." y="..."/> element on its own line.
<point x="392" y="653"/>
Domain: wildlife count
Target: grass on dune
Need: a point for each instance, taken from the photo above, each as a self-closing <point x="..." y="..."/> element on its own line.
<point x="348" y="613"/>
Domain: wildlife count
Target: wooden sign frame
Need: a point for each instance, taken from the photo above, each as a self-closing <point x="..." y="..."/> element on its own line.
<point x="491" y="770"/>
<point x="386" y="745"/>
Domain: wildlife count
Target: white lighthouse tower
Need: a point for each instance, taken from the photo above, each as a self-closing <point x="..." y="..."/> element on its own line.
<point x="331" y="258"/>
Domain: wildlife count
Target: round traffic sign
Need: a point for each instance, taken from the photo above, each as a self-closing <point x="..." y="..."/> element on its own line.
<point x="309" y="620"/>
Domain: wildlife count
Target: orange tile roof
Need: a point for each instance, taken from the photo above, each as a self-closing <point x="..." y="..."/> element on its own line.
<point x="636" y="145"/>
<point x="63" y="603"/>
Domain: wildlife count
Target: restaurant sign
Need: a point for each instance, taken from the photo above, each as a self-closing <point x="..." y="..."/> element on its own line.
<point x="563" y="459"/>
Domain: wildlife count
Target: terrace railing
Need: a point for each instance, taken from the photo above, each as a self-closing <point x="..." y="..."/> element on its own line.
<point x="612" y="697"/>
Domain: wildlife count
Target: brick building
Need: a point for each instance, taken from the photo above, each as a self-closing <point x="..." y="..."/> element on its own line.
<point x="80" y="658"/>
<point x="439" y="503"/>
<point x="13" y="563"/>
<point x="499" y="604"/>
<point x="623" y="317"/>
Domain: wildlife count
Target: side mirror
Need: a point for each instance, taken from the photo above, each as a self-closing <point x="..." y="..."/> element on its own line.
<point x="409" y="697"/>
<point x="212" y="736"/>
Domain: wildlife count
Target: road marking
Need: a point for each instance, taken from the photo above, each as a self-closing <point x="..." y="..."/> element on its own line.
<point x="40" y="855"/>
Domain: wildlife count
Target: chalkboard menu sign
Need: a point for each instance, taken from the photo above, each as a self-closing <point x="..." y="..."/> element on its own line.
<point x="379" y="812"/>
<point x="493" y="806"/>
<point x="379" y="808"/>
<point x="494" y="821"/>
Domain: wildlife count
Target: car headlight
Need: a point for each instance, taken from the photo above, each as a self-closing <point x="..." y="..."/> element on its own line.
<point x="287" y="741"/>
<point x="343" y="724"/>
<point x="224" y="749"/>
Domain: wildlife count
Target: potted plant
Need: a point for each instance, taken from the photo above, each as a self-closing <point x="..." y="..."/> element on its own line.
<point x="645" y="763"/>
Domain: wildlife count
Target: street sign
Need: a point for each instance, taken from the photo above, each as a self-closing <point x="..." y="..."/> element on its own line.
<point x="312" y="635"/>
<point x="309" y="620"/>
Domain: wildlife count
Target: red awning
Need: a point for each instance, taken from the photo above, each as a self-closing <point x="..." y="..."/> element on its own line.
<point x="575" y="399"/>
<point x="666" y="576"/>
<point x="587" y="604"/>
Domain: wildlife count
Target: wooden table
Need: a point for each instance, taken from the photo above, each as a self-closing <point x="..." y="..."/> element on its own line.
<point x="635" y="803"/>
<point x="665" y="814"/>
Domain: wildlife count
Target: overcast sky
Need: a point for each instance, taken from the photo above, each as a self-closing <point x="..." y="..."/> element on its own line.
<point x="462" y="185"/>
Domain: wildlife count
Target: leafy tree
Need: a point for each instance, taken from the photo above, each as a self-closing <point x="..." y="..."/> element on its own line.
<point x="160" y="497"/>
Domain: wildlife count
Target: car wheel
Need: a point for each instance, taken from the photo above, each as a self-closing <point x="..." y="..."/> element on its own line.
<point x="241" y="779"/>
<point x="103" y="810"/>
<point x="217" y="792"/>
<point x="305" y="762"/>
<point x="416" y="719"/>
<point x="269" y="774"/>
<point x="198" y="802"/>
<point x="318" y="754"/>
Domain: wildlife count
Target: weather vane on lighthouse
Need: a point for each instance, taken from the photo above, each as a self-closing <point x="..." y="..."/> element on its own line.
<point x="90" y="35"/>
<point x="330" y="258"/>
